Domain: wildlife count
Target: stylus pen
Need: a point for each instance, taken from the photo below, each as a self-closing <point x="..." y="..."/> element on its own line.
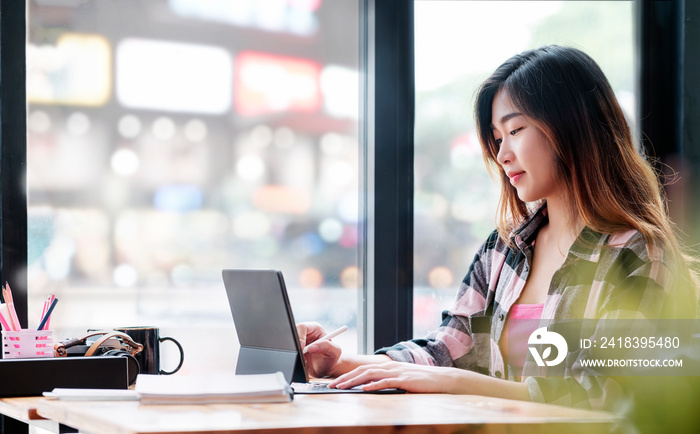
<point x="330" y="335"/>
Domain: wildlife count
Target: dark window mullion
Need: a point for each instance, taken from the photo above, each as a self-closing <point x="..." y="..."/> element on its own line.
<point x="13" y="152"/>
<point x="389" y="187"/>
<point x="667" y="39"/>
<point x="13" y="163"/>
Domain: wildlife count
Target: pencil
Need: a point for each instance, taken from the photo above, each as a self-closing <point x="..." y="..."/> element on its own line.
<point x="9" y="302"/>
<point x="47" y="315"/>
<point x="328" y="337"/>
<point x="5" y="319"/>
<point x="13" y="315"/>
<point x="7" y="293"/>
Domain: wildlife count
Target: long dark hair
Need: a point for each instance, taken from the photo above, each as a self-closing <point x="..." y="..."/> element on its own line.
<point x="609" y="183"/>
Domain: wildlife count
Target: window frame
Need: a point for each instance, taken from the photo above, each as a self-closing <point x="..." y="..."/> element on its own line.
<point x="387" y="154"/>
<point x="13" y="161"/>
<point x="13" y="152"/>
<point x="387" y="84"/>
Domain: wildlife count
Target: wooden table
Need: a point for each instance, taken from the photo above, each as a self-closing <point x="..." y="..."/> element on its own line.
<point x="315" y="414"/>
<point x="24" y="410"/>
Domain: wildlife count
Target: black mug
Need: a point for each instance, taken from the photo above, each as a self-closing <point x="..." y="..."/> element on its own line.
<point x="149" y="357"/>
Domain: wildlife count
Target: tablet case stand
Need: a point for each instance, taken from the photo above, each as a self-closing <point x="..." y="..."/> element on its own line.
<point x="253" y="360"/>
<point x="265" y="324"/>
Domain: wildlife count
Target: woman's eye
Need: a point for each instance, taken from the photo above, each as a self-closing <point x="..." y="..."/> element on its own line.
<point x="498" y="142"/>
<point x="516" y="131"/>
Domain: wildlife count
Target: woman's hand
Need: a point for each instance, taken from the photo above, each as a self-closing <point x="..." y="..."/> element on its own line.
<point x="429" y="379"/>
<point x="321" y="357"/>
<point x="406" y="376"/>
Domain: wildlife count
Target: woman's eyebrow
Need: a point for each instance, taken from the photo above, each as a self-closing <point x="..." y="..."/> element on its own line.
<point x="507" y="117"/>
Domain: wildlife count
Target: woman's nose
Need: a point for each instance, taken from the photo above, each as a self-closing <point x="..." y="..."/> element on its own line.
<point x="504" y="155"/>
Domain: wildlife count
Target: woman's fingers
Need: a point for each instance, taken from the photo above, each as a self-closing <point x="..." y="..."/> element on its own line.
<point x="385" y="383"/>
<point x="406" y="376"/>
<point x="321" y="358"/>
<point x="309" y="332"/>
<point x="302" y="330"/>
<point x="364" y="375"/>
<point x="325" y="348"/>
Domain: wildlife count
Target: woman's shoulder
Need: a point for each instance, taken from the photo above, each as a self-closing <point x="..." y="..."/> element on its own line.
<point x="632" y="263"/>
<point x="632" y="241"/>
<point x="630" y="254"/>
<point x="622" y="254"/>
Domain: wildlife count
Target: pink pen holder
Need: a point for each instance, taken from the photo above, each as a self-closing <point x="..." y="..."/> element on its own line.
<point x="27" y="344"/>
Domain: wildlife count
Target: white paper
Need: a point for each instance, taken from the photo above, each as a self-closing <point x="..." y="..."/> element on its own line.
<point x="68" y="394"/>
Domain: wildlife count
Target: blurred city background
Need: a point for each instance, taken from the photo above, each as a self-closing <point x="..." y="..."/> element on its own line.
<point x="168" y="139"/>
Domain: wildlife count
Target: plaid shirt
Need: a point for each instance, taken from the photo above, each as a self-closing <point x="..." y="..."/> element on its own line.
<point x="615" y="276"/>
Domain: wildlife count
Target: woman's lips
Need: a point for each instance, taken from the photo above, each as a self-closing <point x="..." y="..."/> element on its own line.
<point x="515" y="176"/>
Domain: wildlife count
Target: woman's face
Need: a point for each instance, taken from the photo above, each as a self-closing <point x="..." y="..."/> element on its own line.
<point x="525" y="153"/>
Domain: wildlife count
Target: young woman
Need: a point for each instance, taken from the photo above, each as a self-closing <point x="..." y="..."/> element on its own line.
<point x="582" y="232"/>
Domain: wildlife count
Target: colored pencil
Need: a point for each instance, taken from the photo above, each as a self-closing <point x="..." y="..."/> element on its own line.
<point x="47" y="315"/>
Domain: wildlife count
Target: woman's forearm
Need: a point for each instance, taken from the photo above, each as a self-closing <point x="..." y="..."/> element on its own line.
<point x="473" y="383"/>
<point x="378" y="371"/>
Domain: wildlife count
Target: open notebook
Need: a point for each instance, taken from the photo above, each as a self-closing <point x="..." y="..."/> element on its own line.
<point x="267" y="330"/>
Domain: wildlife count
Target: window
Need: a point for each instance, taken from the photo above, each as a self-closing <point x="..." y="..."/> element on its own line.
<point x="455" y="199"/>
<point x="170" y="139"/>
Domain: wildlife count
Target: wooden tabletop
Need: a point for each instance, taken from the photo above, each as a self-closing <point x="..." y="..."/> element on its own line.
<point x="316" y="414"/>
<point x="23" y="409"/>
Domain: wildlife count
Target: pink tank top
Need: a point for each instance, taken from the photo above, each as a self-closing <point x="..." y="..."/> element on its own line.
<point x="516" y="333"/>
